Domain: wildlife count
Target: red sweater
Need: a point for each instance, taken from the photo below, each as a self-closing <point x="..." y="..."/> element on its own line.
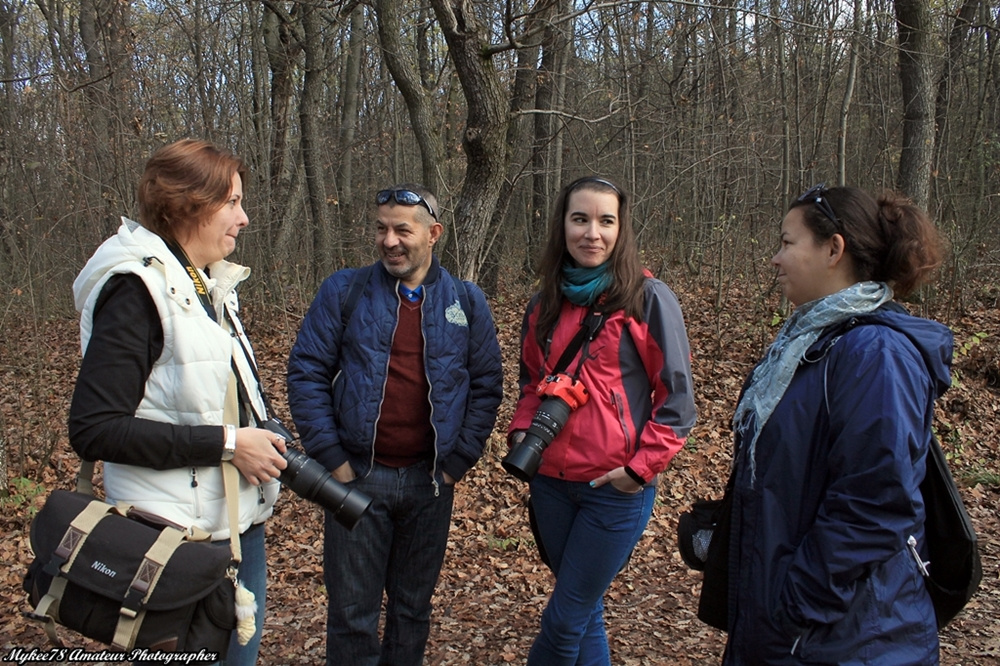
<point x="403" y="435"/>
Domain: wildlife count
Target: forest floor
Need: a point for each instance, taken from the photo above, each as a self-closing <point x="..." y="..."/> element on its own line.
<point x="493" y="586"/>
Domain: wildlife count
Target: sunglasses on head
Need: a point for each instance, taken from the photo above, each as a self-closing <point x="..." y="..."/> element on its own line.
<point x="817" y="195"/>
<point x="404" y="198"/>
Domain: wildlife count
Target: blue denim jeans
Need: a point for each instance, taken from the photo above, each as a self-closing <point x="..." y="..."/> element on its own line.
<point x="588" y="534"/>
<point x="397" y="547"/>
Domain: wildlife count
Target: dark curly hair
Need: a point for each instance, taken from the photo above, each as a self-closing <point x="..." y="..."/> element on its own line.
<point x="888" y="239"/>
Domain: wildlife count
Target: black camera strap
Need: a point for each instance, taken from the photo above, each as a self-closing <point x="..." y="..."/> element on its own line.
<point x="240" y="386"/>
<point x="199" y="284"/>
<point x="589" y="328"/>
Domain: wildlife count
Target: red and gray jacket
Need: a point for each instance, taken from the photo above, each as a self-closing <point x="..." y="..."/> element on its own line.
<point x="638" y="374"/>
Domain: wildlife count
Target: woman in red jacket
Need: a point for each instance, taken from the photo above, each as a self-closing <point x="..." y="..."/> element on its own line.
<point x="627" y="380"/>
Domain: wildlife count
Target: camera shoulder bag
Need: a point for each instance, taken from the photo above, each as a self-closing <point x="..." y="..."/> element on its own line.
<point x="703" y="535"/>
<point x="955" y="569"/>
<point x="131" y="579"/>
<point x="118" y="577"/>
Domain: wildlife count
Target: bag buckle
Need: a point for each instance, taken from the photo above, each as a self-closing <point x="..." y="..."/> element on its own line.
<point x="136" y="593"/>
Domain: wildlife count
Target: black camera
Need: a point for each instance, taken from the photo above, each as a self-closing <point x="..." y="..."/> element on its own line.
<point x="310" y="480"/>
<point x="561" y="395"/>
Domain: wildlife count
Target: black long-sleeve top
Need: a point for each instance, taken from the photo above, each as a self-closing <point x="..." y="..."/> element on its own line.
<point x="126" y="341"/>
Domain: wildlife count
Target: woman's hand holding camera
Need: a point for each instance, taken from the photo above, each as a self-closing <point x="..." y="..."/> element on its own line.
<point x="258" y="454"/>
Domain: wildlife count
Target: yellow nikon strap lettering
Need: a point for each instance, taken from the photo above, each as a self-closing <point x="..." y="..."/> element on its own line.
<point x="199" y="284"/>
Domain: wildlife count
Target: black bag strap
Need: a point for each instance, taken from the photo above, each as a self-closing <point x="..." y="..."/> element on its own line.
<point x="202" y="290"/>
<point x="241" y="387"/>
<point x="358" y="282"/>
<point x="951" y="540"/>
<point x="199" y="284"/>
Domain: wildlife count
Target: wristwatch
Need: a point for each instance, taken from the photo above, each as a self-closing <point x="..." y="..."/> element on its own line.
<point x="229" y="448"/>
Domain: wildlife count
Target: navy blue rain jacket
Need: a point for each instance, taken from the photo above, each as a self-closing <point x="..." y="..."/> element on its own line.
<point x="820" y="571"/>
<point x="336" y="378"/>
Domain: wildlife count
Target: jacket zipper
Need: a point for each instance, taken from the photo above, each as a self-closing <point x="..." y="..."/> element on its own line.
<point x="197" y="494"/>
<point x="385" y="381"/>
<point x="619" y="404"/>
<point x="430" y="389"/>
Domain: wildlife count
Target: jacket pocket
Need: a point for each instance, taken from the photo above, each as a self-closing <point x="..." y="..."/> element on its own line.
<point x="337" y="390"/>
<point x="619" y="403"/>
<point x="801" y="644"/>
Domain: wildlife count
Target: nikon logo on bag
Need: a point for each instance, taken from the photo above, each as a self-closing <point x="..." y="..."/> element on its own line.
<point x="104" y="569"/>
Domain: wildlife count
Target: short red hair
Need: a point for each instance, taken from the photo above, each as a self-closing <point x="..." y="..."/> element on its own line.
<point x="184" y="183"/>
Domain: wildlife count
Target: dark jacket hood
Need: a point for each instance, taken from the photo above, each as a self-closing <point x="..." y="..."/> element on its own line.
<point x="934" y="341"/>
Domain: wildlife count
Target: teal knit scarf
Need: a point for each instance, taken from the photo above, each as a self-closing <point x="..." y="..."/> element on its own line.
<point x="582" y="286"/>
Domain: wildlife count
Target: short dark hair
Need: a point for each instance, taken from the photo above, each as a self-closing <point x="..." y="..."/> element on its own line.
<point x="183" y="184"/>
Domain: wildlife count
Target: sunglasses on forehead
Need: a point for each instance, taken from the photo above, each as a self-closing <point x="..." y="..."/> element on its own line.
<point x="817" y="195"/>
<point x="404" y="198"/>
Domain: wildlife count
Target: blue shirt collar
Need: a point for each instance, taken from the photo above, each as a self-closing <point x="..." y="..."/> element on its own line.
<point x="412" y="295"/>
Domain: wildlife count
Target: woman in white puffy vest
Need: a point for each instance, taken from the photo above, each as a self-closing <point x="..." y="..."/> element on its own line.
<point x="160" y="337"/>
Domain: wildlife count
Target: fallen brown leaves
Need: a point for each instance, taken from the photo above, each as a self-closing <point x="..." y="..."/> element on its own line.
<point x="493" y="587"/>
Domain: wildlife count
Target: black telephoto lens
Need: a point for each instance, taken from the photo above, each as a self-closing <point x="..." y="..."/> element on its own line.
<point x="313" y="482"/>
<point x="310" y="480"/>
<point x="524" y="458"/>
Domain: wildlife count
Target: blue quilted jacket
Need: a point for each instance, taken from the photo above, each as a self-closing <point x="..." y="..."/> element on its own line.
<point x="336" y="378"/>
<point x="819" y="569"/>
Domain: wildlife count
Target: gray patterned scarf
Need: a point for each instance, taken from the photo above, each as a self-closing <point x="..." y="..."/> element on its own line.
<point x="772" y="376"/>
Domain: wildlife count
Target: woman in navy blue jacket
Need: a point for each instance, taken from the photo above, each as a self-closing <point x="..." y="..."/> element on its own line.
<point x="832" y="433"/>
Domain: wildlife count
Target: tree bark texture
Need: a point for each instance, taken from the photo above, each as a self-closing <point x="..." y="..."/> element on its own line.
<point x="486" y="151"/>
<point x="403" y="67"/>
<point x="312" y="143"/>
<point x="917" y="55"/>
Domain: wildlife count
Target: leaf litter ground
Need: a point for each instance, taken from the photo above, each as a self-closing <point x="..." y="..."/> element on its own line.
<point x="493" y="586"/>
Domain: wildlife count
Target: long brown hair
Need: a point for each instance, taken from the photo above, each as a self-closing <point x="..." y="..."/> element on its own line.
<point x="888" y="239"/>
<point x="183" y="184"/>
<point x="626" y="289"/>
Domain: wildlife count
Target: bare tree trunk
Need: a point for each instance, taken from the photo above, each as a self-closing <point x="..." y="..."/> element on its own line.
<point x="8" y="24"/>
<point x="312" y="142"/>
<point x="917" y="51"/>
<point x="349" y="118"/>
<point x="852" y="73"/>
<point x="103" y="25"/>
<point x="485" y="132"/>
<point x="956" y="46"/>
<point x="283" y="47"/>
<point x="786" y="123"/>
<point x="551" y="72"/>
<point x="524" y="91"/>
<point x="405" y="72"/>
